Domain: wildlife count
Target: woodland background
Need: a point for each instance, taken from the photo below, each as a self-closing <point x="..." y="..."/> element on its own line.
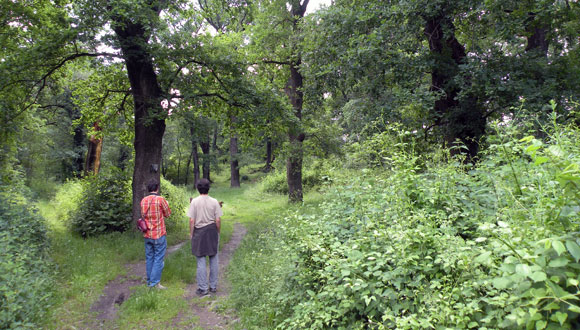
<point x="405" y="164"/>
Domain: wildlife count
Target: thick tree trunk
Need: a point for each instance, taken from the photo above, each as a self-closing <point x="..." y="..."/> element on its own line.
<point x="93" y="160"/>
<point x="234" y="164"/>
<point x="465" y="120"/>
<point x="537" y="35"/>
<point x="206" y="161"/>
<point x="295" y="136"/>
<point x="149" y="115"/>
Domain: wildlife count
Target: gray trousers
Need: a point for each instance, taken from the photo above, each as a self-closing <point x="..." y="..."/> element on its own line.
<point x="201" y="275"/>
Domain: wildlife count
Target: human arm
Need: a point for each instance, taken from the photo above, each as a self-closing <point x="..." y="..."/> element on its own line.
<point x="218" y="223"/>
<point x="191" y="227"/>
<point x="165" y="208"/>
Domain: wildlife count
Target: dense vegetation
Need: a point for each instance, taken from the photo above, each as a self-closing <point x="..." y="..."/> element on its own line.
<point x="428" y="243"/>
<point x="428" y="150"/>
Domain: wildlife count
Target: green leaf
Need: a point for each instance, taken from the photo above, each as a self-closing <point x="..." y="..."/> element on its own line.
<point x="541" y="324"/>
<point x="574" y="308"/>
<point x="482" y="257"/>
<point x="523" y="269"/>
<point x="560" y="317"/>
<point x="501" y="282"/>
<point x="559" y="247"/>
<point x="541" y="160"/>
<point x="559" y="262"/>
<point x="538" y="276"/>
<point x="574" y="249"/>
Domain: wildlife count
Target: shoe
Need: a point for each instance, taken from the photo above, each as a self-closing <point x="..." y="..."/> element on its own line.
<point x="213" y="290"/>
<point x="201" y="292"/>
<point x="158" y="286"/>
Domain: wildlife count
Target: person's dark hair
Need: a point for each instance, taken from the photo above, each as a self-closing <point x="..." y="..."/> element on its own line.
<point x="203" y="186"/>
<point x="152" y="186"/>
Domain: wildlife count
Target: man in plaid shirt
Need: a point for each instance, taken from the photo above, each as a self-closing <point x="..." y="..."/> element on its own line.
<point x="154" y="209"/>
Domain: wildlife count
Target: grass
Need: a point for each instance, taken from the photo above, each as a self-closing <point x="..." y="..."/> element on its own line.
<point x="85" y="266"/>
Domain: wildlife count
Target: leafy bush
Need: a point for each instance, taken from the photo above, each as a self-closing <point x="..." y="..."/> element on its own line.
<point x="105" y="205"/>
<point x="313" y="177"/>
<point x="440" y="245"/>
<point x="178" y="200"/>
<point x="25" y="269"/>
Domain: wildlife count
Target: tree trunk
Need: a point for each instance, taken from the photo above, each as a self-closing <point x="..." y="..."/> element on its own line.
<point x="206" y="160"/>
<point x="194" y="156"/>
<point x="149" y="115"/>
<point x="294" y="92"/>
<point x="537" y="35"/>
<point x="214" y="145"/>
<point x="295" y="136"/>
<point x="234" y="164"/>
<point x="465" y="120"/>
<point x="269" y="156"/>
<point x="187" y="168"/>
<point x="93" y="160"/>
<point x="78" y="145"/>
<point x="123" y="159"/>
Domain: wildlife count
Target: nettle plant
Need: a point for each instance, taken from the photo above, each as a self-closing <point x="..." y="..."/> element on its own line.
<point x="536" y="240"/>
<point x="444" y="245"/>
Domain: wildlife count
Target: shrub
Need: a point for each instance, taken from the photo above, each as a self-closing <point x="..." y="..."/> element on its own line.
<point x="439" y="246"/>
<point x="25" y="269"/>
<point x="105" y="205"/>
<point x="312" y="177"/>
<point x="178" y="200"/>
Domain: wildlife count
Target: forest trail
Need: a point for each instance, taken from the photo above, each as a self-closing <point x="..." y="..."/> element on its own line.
<point x="118" y="290"/>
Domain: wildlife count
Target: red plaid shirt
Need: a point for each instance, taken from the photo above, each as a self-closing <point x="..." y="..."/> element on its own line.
<point x="154" y="209"/>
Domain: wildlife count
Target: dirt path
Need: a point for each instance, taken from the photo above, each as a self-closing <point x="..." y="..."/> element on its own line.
<point x="206" y="307"/>
<point x="118" y="291"/>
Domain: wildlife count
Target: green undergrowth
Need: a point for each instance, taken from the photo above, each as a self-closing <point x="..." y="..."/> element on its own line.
<point x="85" y="265"/>
<point x="26" y="270"/>
<point x="426" y="244"/>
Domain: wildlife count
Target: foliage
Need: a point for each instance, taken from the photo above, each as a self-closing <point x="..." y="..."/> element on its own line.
<point x="178" y="200"/>
<point x="104" y="205"/>
<point x="439" y="246"/>
<point x="312" y="178"/>
<point x="26" y="277"/>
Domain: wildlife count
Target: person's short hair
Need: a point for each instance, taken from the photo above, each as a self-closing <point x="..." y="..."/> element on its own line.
<point x="152" y="186"/>
<point x="203" y="186"/>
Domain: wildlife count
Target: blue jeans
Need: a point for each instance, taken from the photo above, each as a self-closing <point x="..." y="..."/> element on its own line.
<point x="154" y="255"/>
<point x="201" y="274"/>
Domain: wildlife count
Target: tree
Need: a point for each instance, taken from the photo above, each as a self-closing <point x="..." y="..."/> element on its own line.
<point x="280" y="47"/>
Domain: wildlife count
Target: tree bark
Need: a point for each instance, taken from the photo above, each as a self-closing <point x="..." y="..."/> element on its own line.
<point x="206" y="161"/>
<point x="93" y="160"/>
<point x="295" y="136"/>
<point x="294" y="92"/>
<point x="269" y="156"/>
<point x="461" y="120"/>
<point x="149" y="115"/>
<point x="537" y="35"/>
<point x="187" y="168"/>
<point x="194" y="156"/>
<point x="234" y="164"/>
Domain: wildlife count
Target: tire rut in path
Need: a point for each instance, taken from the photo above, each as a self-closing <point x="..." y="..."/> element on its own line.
<point x="118" y="290"/>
